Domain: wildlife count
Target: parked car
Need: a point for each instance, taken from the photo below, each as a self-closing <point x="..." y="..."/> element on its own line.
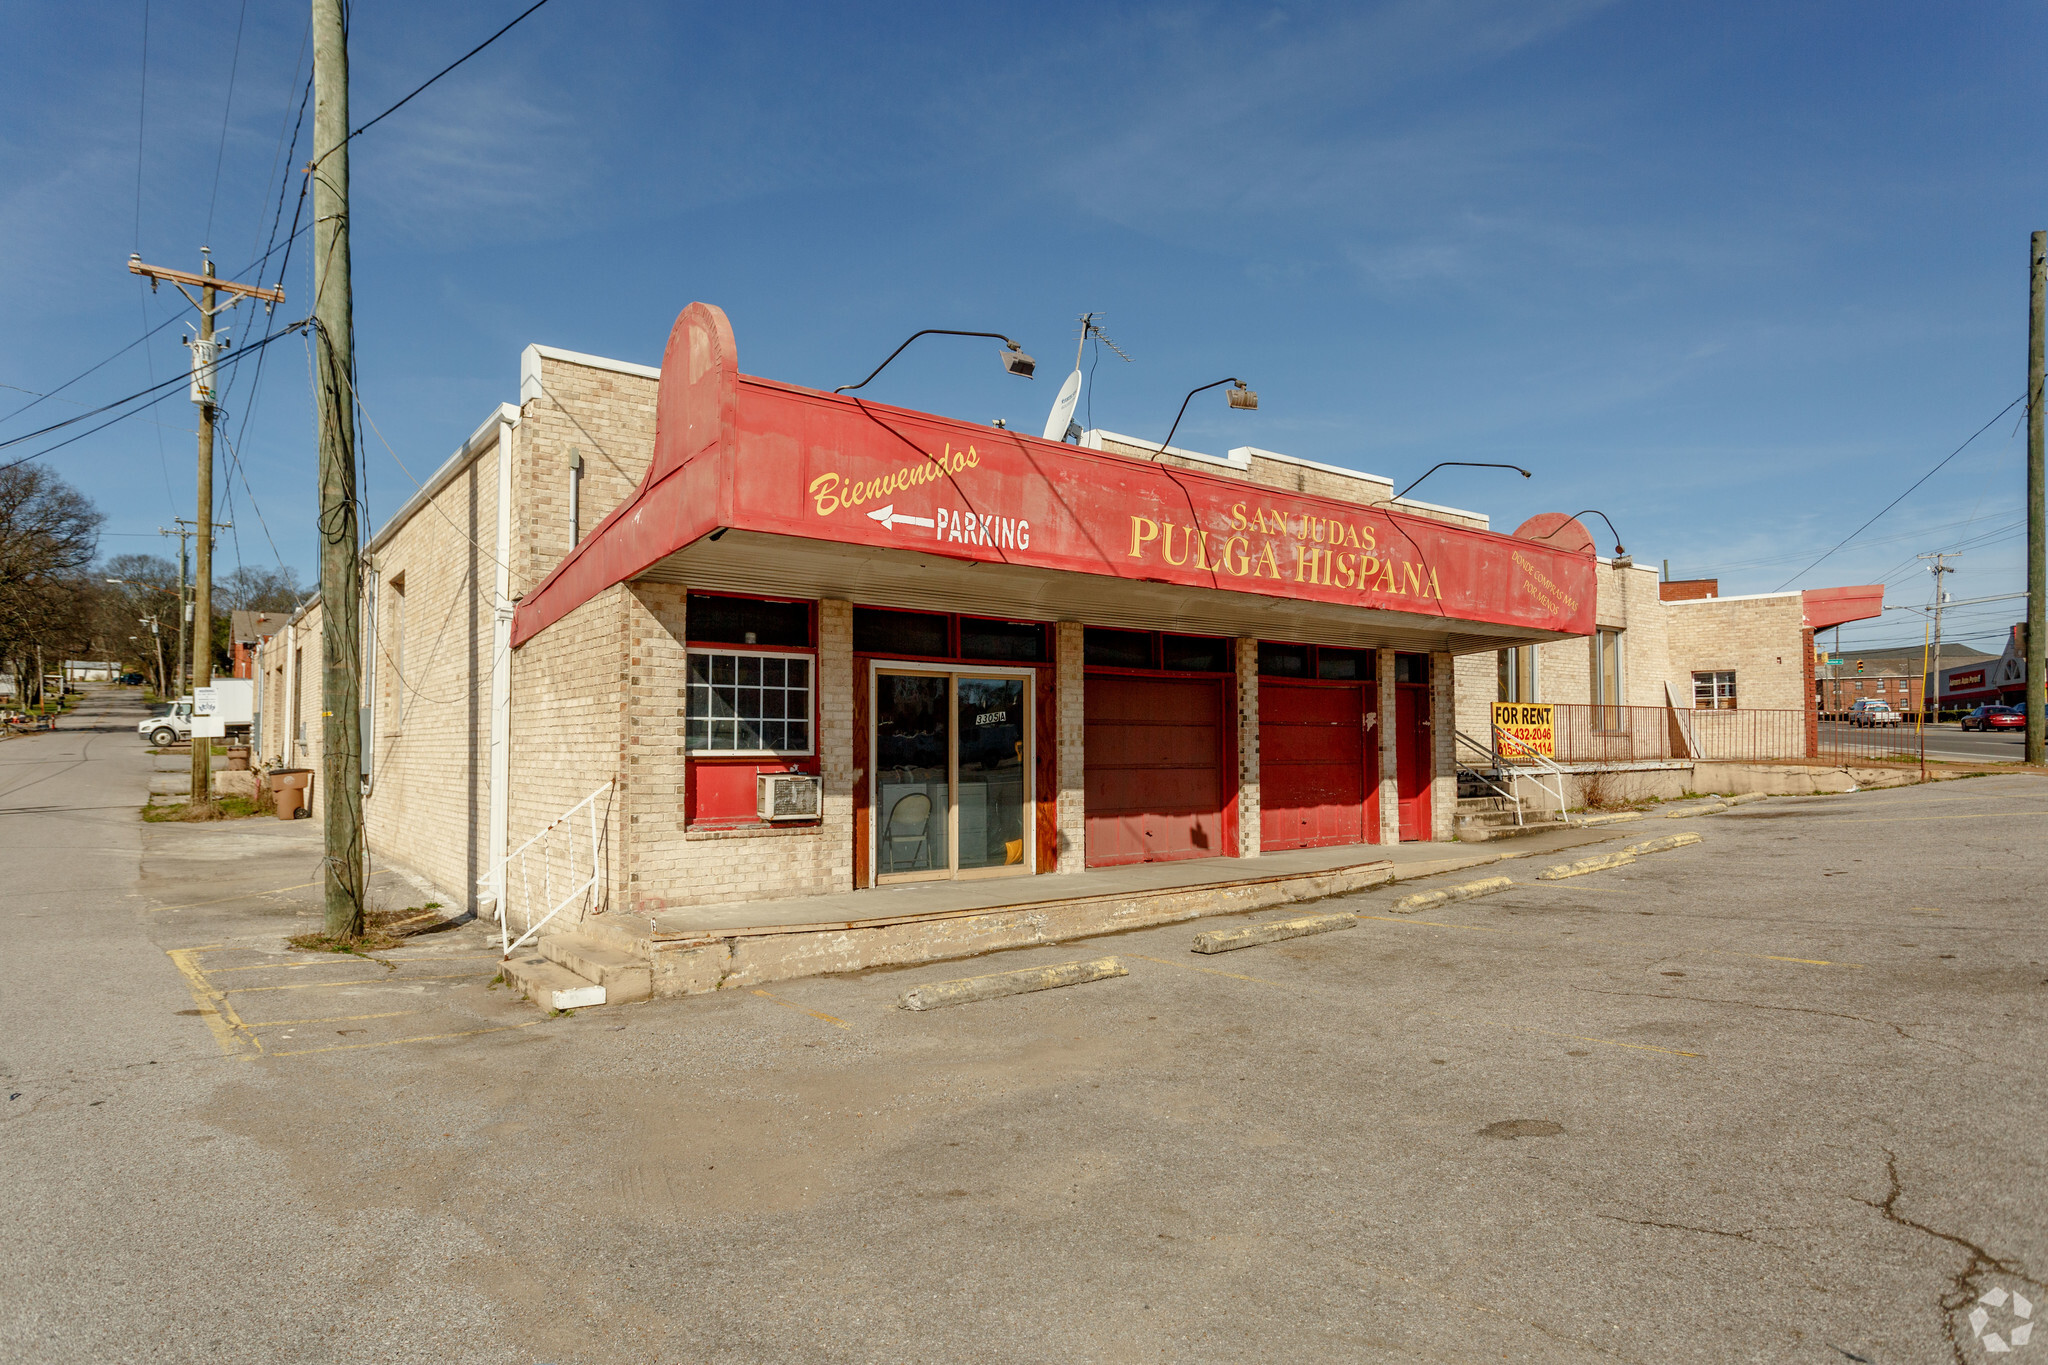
<point x="131" y="680"/>
<point x="173" y="726"/>
<point x="1872" y="711"/>
<point x="1996" y="718"/>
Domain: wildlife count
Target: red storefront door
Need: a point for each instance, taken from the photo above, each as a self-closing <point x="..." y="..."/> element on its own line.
<point x="1414" y="758"/>
<point x="1155" y="785"/>
<point x="1318" y="777"/>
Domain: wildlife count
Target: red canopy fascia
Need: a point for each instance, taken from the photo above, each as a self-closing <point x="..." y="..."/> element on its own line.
<point x="1826" y="607"/>
<point x="736" y="452"/>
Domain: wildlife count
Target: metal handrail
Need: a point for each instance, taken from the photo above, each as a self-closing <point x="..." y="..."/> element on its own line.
<point x="1526" y="754"/>
<point x="493" y="882"/>
<point x="1514" y="801"/>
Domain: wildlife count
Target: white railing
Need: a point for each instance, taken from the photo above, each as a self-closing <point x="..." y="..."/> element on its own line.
<point x="549" y="858"/>
<point x="1527" y="764"/>
<point x="1494" y="765"/>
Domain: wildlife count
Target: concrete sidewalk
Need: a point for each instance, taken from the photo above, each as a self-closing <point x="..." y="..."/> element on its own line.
<point x="623" y="955"/>
<point x="915" y="900"/>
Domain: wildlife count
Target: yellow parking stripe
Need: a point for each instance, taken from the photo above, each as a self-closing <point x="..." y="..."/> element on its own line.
<point x="221" y="1019"/>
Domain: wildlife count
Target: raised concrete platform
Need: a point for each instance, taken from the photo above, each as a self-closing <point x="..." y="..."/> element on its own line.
<point x="706" y="948"/>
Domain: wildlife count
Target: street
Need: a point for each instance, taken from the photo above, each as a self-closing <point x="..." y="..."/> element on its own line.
<point x="1947" y="741"/>
<point x="1776" y="1096"/>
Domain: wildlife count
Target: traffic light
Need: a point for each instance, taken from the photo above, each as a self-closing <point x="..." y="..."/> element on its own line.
<point x="1859" y="665"/>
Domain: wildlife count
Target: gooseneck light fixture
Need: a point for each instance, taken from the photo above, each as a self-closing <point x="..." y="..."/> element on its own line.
<point x="1467" y="464"/>
<point x="1240" y="397"/>
<point x="1014" y="359"/>
<point x="1622" y="558"/>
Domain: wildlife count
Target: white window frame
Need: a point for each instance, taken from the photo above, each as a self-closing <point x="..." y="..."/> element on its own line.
<point x="811" y="693"/>
<point x="1715" y="695"/>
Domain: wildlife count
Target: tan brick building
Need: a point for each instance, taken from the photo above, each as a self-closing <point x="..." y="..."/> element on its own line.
<point x="949" y="651"/>
<point x="1742" y="666"/>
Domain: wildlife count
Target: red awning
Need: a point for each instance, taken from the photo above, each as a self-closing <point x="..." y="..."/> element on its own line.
<point x="1826" y="607"/>
<point x="736" y="452"/>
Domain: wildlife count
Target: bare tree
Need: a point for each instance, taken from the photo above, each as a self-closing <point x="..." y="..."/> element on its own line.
<point x="145" y="590"/>
<point x="253" y="587"/>
<point x="49" y="533"/>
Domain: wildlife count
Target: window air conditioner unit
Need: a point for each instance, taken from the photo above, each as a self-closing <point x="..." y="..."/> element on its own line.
<point x="787" y="796"/>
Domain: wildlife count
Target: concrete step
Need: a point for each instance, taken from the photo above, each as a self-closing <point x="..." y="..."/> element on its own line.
<point x="1479" y="832"/>
<point x="1483" y="803"/>
<point x="548" y="985"/>
<point x="625" y="976"/>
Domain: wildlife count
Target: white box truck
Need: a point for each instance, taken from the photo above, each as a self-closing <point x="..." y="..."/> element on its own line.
<point x="226" y="709"/>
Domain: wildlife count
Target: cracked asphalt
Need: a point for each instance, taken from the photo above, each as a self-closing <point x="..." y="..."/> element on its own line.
<point x="1775" y="1097"/>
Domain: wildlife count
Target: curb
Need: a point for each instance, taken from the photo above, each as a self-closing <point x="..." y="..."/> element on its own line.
<point x="1252" y="935"/>
<point x="1585" y="865"/>
<point x="972" y="988"/>
<point x="1619" y="817"/>
<point x="1666" y="843"/>
<point x="1424" y="900"/>
<point x="1744" y="799"/>
<point x="1696" y="810"/>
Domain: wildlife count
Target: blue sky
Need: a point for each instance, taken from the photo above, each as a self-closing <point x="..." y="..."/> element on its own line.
<point x="1734" y="274"/>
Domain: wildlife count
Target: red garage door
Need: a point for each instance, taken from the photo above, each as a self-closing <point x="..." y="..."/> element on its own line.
<point x="1318" y="778"/>
<point x="1155" y="781"/>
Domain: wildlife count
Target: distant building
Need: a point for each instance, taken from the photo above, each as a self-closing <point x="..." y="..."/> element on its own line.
<point x="247" y="631"/>
<point x="1987" y="680"/>
<point x="1674" y="647"/>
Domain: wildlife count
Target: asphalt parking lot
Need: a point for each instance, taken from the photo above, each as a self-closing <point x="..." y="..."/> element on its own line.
<point x="1773" y="1097"/>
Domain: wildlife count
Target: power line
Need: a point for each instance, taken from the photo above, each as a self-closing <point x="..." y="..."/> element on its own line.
<point x="146" y="335"/>
<point x="256" y="347"/>
<point x="443" y="71"/>
<point x="1902" y="497"/>
<point x="234" y="65"/>
<point x="141" y="123"/>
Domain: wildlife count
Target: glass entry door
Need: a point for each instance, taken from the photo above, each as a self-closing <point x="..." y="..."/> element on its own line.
<point x="952" y="757"/>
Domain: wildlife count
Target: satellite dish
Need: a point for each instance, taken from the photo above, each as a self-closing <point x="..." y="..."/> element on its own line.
<point x="1063" y="407"/>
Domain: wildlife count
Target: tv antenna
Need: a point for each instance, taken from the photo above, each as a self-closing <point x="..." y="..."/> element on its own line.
<point x="1059" y="426"/>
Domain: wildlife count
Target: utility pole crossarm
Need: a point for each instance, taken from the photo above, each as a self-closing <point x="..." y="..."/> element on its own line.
<point x="156" y="273"/>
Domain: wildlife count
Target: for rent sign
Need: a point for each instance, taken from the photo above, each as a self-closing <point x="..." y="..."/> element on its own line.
<point x="1528" y="726"/>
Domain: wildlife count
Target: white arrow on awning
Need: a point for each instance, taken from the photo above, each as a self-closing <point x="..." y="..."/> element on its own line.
<point x="889" y="517"/>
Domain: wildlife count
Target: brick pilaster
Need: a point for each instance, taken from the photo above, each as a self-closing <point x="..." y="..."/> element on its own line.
<point x="1390" y="790"/>
<point x="1072" y="741"/>
<point x="1443" y="717"/>
<point x="835" y="738"/>
<point x="1248" y="834"/>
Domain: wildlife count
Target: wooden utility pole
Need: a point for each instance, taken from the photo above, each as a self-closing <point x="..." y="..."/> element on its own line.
<point x="341" y="774"/>
<point x="2037" y="551"/>
<point x="204" y="371"/>
<point x="1940" y="568"/>
<point x="184" y="609"/>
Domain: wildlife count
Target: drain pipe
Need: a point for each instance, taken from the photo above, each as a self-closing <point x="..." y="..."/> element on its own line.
<point x="497" y="840"/>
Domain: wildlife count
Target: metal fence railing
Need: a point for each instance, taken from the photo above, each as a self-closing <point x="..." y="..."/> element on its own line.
<point x="1647" y="734"/>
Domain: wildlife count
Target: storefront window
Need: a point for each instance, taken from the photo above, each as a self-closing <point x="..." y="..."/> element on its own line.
<point x="748" y="703"/>
<point x="1283" y="661"/>
<point x="748" y="621"/>
<point x="906" y="634"/>
<point x="1411" y="668"/>
<point x="1021" y="642"/>
<point x="1518" y="674"/>
<point x="1195" y="654"/>
<point x="1344" y="665"/>
<point x="1606" y="646"/>
<point x="1118" y="648"/>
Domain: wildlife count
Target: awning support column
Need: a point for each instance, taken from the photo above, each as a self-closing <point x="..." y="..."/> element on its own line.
<point x="1390" y="782"/>
<point x="1248" y="834"/>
